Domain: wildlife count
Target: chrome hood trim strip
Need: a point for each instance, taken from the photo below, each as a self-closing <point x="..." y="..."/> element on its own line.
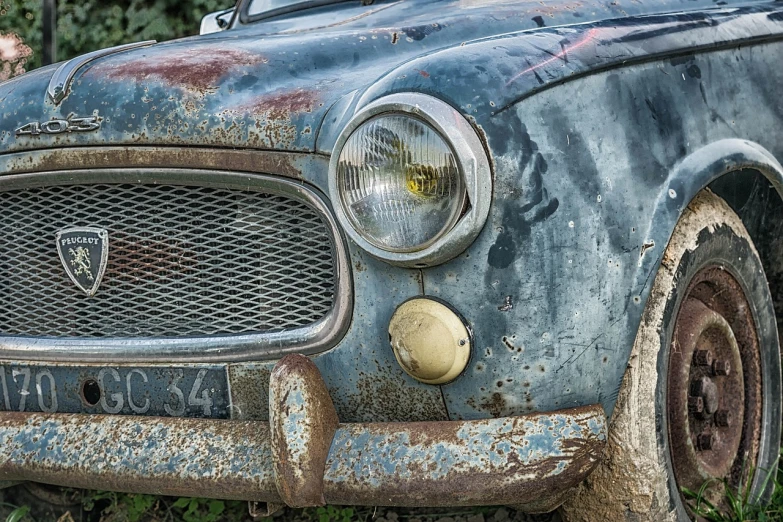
<point x="61" y="80"/>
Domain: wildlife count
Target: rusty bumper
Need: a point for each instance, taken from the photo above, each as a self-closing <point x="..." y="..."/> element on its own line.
<point x="305" y="457"/>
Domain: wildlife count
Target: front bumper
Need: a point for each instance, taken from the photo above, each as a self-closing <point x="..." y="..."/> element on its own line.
<point x="305" y="457"/>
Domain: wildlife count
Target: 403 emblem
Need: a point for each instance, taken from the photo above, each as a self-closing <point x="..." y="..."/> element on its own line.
<point x="55" y="126"/>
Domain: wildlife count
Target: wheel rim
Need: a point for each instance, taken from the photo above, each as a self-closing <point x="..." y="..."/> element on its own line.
<point x="714" y="399"/>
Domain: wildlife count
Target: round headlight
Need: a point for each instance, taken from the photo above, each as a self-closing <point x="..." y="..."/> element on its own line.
<point x="400" y="183"/>
<point x="410" y="180"/>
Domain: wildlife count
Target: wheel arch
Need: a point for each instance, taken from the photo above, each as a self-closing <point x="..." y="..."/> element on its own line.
<point x="749" y="178"/>
<point x="723" y="166"/>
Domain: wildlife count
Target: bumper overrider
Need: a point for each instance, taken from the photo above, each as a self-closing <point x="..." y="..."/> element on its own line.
<point x="305" y="457"/>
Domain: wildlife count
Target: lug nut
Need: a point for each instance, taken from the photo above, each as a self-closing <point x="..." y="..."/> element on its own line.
<point x="702" y="358"/>
<point x="723" y="418"/>
<point x="705" y="441"/>
<point x="695" y="404"/>
<point x="697" y="387"/>
<point x="720" y="367"/>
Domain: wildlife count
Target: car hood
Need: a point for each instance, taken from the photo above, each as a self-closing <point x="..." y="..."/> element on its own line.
<point x="269" y="85"/>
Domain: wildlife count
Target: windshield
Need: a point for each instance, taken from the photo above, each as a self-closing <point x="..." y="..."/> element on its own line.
<point x="266" y="8"/>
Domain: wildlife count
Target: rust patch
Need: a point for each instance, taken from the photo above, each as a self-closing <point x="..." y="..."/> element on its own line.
<point x="277" y="131"/>
<point x="249" y="392"/>
<point x="495" y="404"/>
<point x="383" y="399"/>
<point x="273" y="113"/>
<point x="155" y="257"/>
<point x="283" y="103"/>
<point x="444" y="476"/>
<point x="199" y="69"/>
<point x="185" y="457"/>
<point x="275" y="110"/>
<point x="279" y="163"/>
<point x="303" y="422"/>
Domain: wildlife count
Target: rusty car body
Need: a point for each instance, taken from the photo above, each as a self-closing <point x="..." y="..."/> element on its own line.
<point x="593" y="124"/>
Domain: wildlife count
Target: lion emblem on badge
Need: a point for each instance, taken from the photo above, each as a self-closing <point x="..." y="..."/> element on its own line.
<point x="80" y="261"/>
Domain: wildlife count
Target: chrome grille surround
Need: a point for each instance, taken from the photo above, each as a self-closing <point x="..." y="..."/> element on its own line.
<point x="291" y="279"/>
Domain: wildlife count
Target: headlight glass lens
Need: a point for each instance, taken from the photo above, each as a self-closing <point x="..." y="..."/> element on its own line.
<point x="400" y="183"/>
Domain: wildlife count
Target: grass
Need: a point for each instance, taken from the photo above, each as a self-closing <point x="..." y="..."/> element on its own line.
<point x="106" y="506"/>
<point x="737" y="505"/>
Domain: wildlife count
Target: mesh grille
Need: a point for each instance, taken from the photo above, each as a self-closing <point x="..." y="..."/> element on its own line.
<point x="183" y="261"/>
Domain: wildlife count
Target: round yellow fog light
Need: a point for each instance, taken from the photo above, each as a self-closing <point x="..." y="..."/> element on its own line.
<point x="430" y="340"/>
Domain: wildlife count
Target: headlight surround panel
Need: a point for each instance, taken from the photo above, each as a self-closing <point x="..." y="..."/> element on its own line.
<point x="472" y="192"/>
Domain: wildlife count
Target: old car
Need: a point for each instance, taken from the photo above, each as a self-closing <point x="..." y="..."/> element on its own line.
<point x="402" y="252"/>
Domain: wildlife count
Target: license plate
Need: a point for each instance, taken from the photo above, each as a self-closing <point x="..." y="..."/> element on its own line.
<point x="117" y="390"/>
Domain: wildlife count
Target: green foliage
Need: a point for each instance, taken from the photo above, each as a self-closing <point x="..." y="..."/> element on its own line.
<point x="119" y="507"/>
<point x="209" y="510"/>
<point x="18" y="514"/>
<point x="126" y="507"/>
<point x="737" y="505"/>
<point x="331" y="514"/>
<point x="86" y="25"/>
<point x="98" y="506"/>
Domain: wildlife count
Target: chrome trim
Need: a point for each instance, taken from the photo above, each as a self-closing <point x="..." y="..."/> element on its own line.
<point x="62" y="77"/>
<point x="315" y="338"/>
<point x="457" y="131"/>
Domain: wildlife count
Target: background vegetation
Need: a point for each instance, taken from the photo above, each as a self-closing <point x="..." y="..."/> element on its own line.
<point x="92" y="506"/>
<point x="86" y="25"/>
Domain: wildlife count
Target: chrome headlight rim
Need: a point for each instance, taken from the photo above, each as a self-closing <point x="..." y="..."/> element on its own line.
<point x="472" y="160"/>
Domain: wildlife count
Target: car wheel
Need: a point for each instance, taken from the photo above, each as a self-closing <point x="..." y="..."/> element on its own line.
<point x="701" y="396"/>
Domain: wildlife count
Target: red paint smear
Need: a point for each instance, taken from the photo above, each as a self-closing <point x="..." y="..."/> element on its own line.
<point x="199" y="69"/>
<point x="587" y="38"/>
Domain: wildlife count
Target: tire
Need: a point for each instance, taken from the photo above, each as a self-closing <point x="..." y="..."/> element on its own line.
<point x="680" y="420"/>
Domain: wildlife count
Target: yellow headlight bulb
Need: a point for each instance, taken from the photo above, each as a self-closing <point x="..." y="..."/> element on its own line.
<point x="422" y="180"/>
